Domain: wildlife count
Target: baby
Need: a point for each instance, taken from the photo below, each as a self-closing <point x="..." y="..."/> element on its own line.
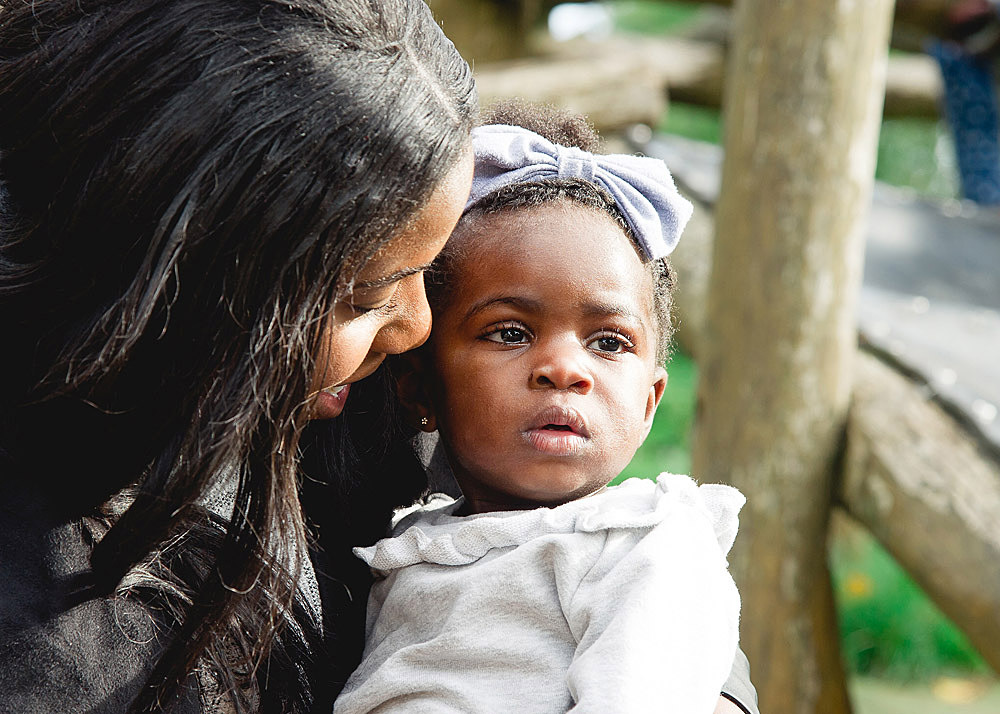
<point x="541" y="589"/>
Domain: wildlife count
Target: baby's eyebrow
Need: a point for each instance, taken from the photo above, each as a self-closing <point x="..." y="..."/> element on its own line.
<point x="522" y="303"/>
<point x="606" y="309"/>
<point x="590" y="309"/>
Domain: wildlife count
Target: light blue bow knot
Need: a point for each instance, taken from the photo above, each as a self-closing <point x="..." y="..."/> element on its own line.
<point x="642" y="187"/>
<point x="575" y="163"/>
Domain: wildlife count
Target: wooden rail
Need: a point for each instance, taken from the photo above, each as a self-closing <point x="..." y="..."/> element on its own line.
<point x="623" y="81"/>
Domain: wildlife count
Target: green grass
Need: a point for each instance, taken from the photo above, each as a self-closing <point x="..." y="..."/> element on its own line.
<point x="652" y="17"/>
<point x="918" y="153"/>
<point x="889" y="628"/>
<point x="693" y="122"/>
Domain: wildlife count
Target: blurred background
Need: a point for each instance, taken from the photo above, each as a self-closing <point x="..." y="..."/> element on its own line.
<point x="908" y="514"/>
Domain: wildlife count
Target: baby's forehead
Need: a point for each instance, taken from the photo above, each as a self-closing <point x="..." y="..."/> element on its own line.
<point x="552" y="242"/>
<point x="561" y="224"/>
<point x="497" y="229"/>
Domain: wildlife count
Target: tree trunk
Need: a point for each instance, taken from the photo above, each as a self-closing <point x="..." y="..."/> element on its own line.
<point x="805" y="83"/>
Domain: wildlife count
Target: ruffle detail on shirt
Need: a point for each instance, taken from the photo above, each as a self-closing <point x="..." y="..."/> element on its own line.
<point x="434" y="535"/>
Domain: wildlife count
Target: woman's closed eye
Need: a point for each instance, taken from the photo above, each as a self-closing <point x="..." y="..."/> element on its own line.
<point x="363" y="302"/>
<point x="508" y="333"/>
<point x="365" y="309"/>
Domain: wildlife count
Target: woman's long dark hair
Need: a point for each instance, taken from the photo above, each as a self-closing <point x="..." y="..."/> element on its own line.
<point x="186" y="187"/>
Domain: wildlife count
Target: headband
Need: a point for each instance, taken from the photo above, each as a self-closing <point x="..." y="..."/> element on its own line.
<point x="641" y="187"/>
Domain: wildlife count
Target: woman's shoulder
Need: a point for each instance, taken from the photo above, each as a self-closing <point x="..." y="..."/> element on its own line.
<point x="62" y="649"/>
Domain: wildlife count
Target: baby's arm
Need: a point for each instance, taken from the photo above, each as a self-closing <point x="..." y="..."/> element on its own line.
<point x="739" y="689"/>
<point x="725" y="706"/>
<point x="656" y="621"/>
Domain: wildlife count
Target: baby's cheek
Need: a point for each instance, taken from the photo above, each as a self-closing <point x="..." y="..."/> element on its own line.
<point x="627" y="437"/>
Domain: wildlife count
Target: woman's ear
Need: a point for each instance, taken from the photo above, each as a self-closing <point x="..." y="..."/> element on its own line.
<point x="412" y="389"/>
<point x="653" y="399"/>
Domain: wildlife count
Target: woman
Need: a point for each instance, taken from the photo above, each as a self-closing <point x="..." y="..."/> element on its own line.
<point x="214" y="214"/>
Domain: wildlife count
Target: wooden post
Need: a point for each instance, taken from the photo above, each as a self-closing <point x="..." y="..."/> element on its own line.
<point x="805" y="83"/>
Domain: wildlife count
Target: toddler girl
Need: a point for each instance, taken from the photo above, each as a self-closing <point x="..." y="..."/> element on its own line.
<point x="542" y="590"/>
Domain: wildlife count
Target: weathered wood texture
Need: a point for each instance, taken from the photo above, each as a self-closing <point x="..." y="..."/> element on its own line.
<point x="612" y="91"/>
<point x="804" y="88"/>
<point x="621" y="81"/>
<point x="927" y="492"/>
<point x="690" y="70"/>
<point x="913" y="87"/>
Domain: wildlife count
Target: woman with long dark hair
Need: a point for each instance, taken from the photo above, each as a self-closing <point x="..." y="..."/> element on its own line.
<point x="214" y="215"/>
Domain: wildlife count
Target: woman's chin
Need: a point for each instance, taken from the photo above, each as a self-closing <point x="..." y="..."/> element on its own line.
<point x="329" y="405"/>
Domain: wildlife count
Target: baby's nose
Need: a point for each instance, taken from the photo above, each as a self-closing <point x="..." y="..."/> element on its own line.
<point x="562" y="367"/>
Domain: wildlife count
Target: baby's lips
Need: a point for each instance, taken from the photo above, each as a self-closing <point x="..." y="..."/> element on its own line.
<point x="559" y="415"/>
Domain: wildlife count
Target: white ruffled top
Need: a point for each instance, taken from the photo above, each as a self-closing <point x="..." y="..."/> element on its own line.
<point x="616" y="603"/>
<point x="433" y="534"/>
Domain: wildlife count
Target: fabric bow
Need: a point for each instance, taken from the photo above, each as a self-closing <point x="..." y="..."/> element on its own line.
<point x="641" y="186"/>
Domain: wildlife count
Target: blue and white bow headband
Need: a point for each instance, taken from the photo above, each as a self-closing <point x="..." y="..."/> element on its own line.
<point x="642" y="187"/>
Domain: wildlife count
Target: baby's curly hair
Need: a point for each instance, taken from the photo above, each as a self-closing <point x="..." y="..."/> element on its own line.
<point x="556" y="125"/>
<point x="566" y="129"/>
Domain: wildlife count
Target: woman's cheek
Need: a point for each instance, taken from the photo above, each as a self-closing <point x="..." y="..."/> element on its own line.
<point x="342" y="351"/>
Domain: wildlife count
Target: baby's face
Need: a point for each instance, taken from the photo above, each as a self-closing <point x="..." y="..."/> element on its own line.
<point x="544" y="374"/>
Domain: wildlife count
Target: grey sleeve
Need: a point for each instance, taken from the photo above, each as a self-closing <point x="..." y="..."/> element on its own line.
<point x="62" y="648"/>
<point x="738" y="688"/>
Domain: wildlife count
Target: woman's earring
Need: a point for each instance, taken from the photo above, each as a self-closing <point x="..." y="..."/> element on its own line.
<point x="424" y="421"/>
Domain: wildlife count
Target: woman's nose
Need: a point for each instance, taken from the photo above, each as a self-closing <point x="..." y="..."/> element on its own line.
<point x="411" y="323"/>
<point x="562" y="366"/>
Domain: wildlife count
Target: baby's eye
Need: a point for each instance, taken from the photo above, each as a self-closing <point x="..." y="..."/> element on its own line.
<point x="508" y="336"/>
<point x="610" y="344"/>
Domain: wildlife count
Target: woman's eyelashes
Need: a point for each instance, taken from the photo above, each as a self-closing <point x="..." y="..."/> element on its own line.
<point x="365" y="309"/>
<point x="362" y="304"/>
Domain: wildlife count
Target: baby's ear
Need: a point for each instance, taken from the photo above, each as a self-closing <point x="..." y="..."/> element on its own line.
<point x="410" y="371"/>
<point x="653" y="398"/>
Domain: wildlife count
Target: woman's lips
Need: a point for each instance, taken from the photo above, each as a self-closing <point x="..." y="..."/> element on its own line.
<point x="559" y="431"/>
<point x="330" y="402"/>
